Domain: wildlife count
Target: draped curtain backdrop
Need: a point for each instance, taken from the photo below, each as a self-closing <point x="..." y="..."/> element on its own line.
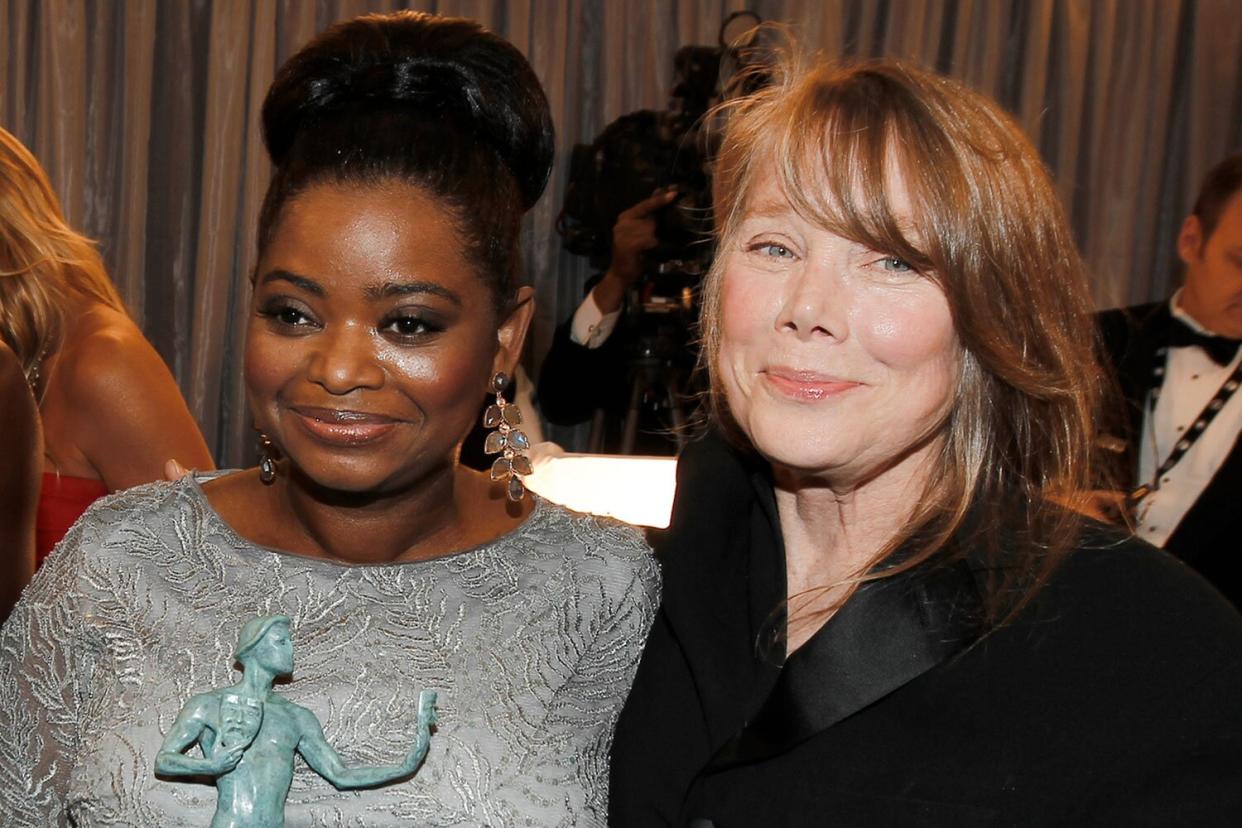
<point x="145" y="114"/>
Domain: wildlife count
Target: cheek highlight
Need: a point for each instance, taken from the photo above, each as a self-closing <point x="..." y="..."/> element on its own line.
<point x="267" y="362"/>
<point x="747" y="306"/>
<point x="903" y="334"/>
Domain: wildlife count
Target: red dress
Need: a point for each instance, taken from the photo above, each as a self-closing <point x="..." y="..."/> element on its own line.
<point x="62" y="500"/>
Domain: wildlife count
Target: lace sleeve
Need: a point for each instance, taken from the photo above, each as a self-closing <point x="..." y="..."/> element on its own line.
<point x="592" y="698"/>
<point x="42" y="687"/>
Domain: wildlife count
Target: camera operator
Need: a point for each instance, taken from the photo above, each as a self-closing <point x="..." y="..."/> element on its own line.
<point x="632" y="236"/>
<point x="587" y="366"/>
<point x="639" y="205"/>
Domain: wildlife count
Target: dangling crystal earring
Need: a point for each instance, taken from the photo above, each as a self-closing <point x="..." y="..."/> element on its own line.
<point x="507" y="440"/>
<point x="267" y="460"/>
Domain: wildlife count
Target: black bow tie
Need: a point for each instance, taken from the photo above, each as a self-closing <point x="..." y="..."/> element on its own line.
<point x="1221" y="349"/>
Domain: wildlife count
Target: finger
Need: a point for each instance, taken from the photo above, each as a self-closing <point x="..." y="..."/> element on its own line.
<point x="651" y="204"/>
<point x="174" y="470"/>
<point x="638" y="237"/>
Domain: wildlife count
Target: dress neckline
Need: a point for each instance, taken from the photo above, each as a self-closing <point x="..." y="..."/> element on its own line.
<point x="69" y="484"/>
<point x="192" y="483"/>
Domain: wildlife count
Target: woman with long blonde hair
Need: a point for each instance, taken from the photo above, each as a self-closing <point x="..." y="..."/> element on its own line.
<point x="882" y="603"/>
<point x="111" y="412"/>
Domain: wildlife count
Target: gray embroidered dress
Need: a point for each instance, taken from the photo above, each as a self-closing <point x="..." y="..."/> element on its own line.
<point x="531" y="641"/>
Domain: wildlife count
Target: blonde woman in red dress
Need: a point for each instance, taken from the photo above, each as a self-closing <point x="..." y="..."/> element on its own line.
<point x="111" y="412"/>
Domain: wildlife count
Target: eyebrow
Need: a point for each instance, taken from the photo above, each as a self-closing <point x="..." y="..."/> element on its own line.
<point x="389" y="289"/>
<point x="308" y="285"/>
<point x="373" y="292"/>
<point x="769" y="209"/>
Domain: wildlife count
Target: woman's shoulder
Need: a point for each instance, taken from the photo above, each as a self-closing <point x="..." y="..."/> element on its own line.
<point x="134" y="528"/>
<point x="104" y="347"/>
<point x="162" y="508"/>
<point x="1115" y="570"/>
<point x="1119" y="601"/>
<point x="592" y="543"/>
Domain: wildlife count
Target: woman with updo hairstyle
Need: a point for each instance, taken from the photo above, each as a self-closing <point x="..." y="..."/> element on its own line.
<point x="883" y="604"/>
<point x="387" y="305"/>
<point x="110" y="411"/>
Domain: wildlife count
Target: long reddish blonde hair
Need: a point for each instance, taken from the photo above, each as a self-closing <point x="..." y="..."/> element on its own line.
<point x="1018" y="444"/>
<point x="43" y="262"/>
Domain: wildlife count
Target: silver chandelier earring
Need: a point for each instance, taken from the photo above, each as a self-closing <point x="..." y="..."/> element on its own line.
<point x="267" y="460"/>
<point x="507" y="440"/>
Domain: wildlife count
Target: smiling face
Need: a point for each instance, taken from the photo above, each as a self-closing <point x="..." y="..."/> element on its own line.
<point x="837" y="361"/>
<point x="372" y="337"/>
<point x="1213" y="292"/>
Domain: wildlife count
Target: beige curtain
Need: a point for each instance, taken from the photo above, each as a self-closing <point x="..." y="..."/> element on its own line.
<point x="145" y="114"/>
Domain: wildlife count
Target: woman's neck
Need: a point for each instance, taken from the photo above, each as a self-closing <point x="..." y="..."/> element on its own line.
<point x="419" y="522"/>
<point x="834" y="530"/>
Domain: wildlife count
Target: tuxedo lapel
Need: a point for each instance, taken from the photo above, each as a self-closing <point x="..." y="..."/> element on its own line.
<point x="1150" y="333"/>
<point x="889" y="633"/>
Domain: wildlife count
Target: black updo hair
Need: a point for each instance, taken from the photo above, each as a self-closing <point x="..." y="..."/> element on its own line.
<point x="436" y="102"/>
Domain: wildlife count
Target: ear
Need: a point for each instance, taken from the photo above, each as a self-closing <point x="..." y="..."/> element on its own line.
<point x="1190" y="240"/>
<point x="511" y="334"/>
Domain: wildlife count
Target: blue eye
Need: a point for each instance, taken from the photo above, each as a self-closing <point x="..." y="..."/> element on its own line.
<point x="895" y="265"/>
<point x="772" y="250"/>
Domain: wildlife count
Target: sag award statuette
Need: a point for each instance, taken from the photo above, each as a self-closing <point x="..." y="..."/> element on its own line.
<point x="249" y="734"/>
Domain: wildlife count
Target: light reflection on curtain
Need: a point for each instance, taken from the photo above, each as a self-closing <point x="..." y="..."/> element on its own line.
<point x="145" y="115"/>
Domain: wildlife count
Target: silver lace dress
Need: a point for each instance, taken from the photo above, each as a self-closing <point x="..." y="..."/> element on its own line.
<point x="531" y="641"/>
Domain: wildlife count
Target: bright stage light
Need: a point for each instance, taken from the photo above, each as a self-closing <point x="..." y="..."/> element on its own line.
<point x="637" y="490"/>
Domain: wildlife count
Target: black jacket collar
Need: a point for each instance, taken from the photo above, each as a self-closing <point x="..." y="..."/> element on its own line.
<point x="889" y="633"/>
<point x="721" y="553"/>
<point x="725" y="550"/>
<point x="1132" y="337"/>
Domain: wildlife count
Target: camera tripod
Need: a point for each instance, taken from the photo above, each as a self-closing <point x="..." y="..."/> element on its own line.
<point x="656" y="383"/>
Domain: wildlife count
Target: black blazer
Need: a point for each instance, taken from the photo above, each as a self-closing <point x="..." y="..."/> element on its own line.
<point x="1113" y="699"/>
<point x="575" y="380"/>
<point x="1209" y="538"/>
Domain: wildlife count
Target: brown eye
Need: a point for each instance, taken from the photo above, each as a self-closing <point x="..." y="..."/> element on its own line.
<point x="411" y="326"/>
<point x="291" y="316"/>
<point x="287" y="314"/>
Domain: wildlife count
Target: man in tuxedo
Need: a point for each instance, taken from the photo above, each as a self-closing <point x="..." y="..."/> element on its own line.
<point x="1179" y="365"/>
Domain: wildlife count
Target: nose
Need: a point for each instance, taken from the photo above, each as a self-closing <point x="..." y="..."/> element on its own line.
<point x="813" y="303"/>
<point x="345" y="360"/>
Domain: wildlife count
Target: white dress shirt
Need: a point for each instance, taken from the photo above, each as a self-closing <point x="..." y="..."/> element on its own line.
<point x="591" y="326"/>
<point x="1191" y="379"/>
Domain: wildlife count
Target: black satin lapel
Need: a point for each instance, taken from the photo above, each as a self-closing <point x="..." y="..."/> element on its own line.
<point x="1135" y="373"/>
<point x="889" y="633"/>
